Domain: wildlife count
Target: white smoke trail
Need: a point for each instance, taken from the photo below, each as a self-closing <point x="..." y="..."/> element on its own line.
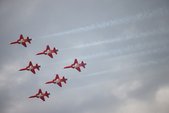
<point x="117" y="52"/>
<point x="127" y="51"/>
<point x="120" y="38"/>
<point x="150" y="62"/>
<point x="145" y="14"/>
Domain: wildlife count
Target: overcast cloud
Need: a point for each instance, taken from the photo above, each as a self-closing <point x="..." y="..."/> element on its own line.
<point x="125" y="44"/>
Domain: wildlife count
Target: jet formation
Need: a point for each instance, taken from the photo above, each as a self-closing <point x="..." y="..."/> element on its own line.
<point x="32" y="68"/>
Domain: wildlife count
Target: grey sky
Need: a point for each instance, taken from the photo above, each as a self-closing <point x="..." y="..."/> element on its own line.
<point x="124" y="42"/>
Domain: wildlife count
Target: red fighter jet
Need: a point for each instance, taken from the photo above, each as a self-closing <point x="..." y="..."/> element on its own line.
<point x="48" y="51"/>
<point x="40" y="95"/>
<point x="76" y="65"/>
<point x="57" y="80"/>
<point x="31" y="68"/>
<point x="22" y="41"/>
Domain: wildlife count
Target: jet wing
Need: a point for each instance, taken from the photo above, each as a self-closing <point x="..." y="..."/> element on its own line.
<point x="33" y="71"/>
<point x="40" y="91"/>
<point x="21" y="37"/>
<point x="56" y="77"/>
<point x="78" y="68"/>
<point x="75" y="62"/>
<point x="60" y="84"/>
<point x="30" y="63"/>
<point x="42" y="98"/>
<point x="24" y="44"/>
<point x="47" y="48"/>
<point x="50" y="54"/>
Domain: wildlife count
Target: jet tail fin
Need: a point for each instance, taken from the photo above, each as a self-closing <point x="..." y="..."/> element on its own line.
<point x="83" y="64"/>
<point x="47" y="94"/>
<point x="29" y="40"/>
<point x="55" y="50"/>
<point x="38" y="66"/>
<point x="64" y="80"/>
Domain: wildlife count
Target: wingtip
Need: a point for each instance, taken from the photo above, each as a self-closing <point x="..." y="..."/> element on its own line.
<point x="50" y="56"/>
<point x="40" y="90"/>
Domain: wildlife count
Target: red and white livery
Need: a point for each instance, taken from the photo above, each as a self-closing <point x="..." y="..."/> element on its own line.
<point x="40" y="95"/>
<point x="22" y="41"/>
<point x="57" y="80"/>
<point x="76" y="65"/>
<point x="31" y="68"/>
<point x="49" y="51"/>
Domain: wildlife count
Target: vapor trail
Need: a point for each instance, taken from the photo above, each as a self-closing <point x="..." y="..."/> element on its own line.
<point x="150" y="62"/>
<point x="118" y="39"/>
<point x="129" y="48"/>
<point x="110" y="23"/>
<point x="121" y="51"/>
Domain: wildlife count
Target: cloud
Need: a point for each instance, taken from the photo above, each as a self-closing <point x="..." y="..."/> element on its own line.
<point x="122" y="90"/>
<point x="5" y="99"/>
<point x="6" y="72"/>
<point x="161" y="99"/>
<point x="133" y="106"/>
<point x="158" y="103"/>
